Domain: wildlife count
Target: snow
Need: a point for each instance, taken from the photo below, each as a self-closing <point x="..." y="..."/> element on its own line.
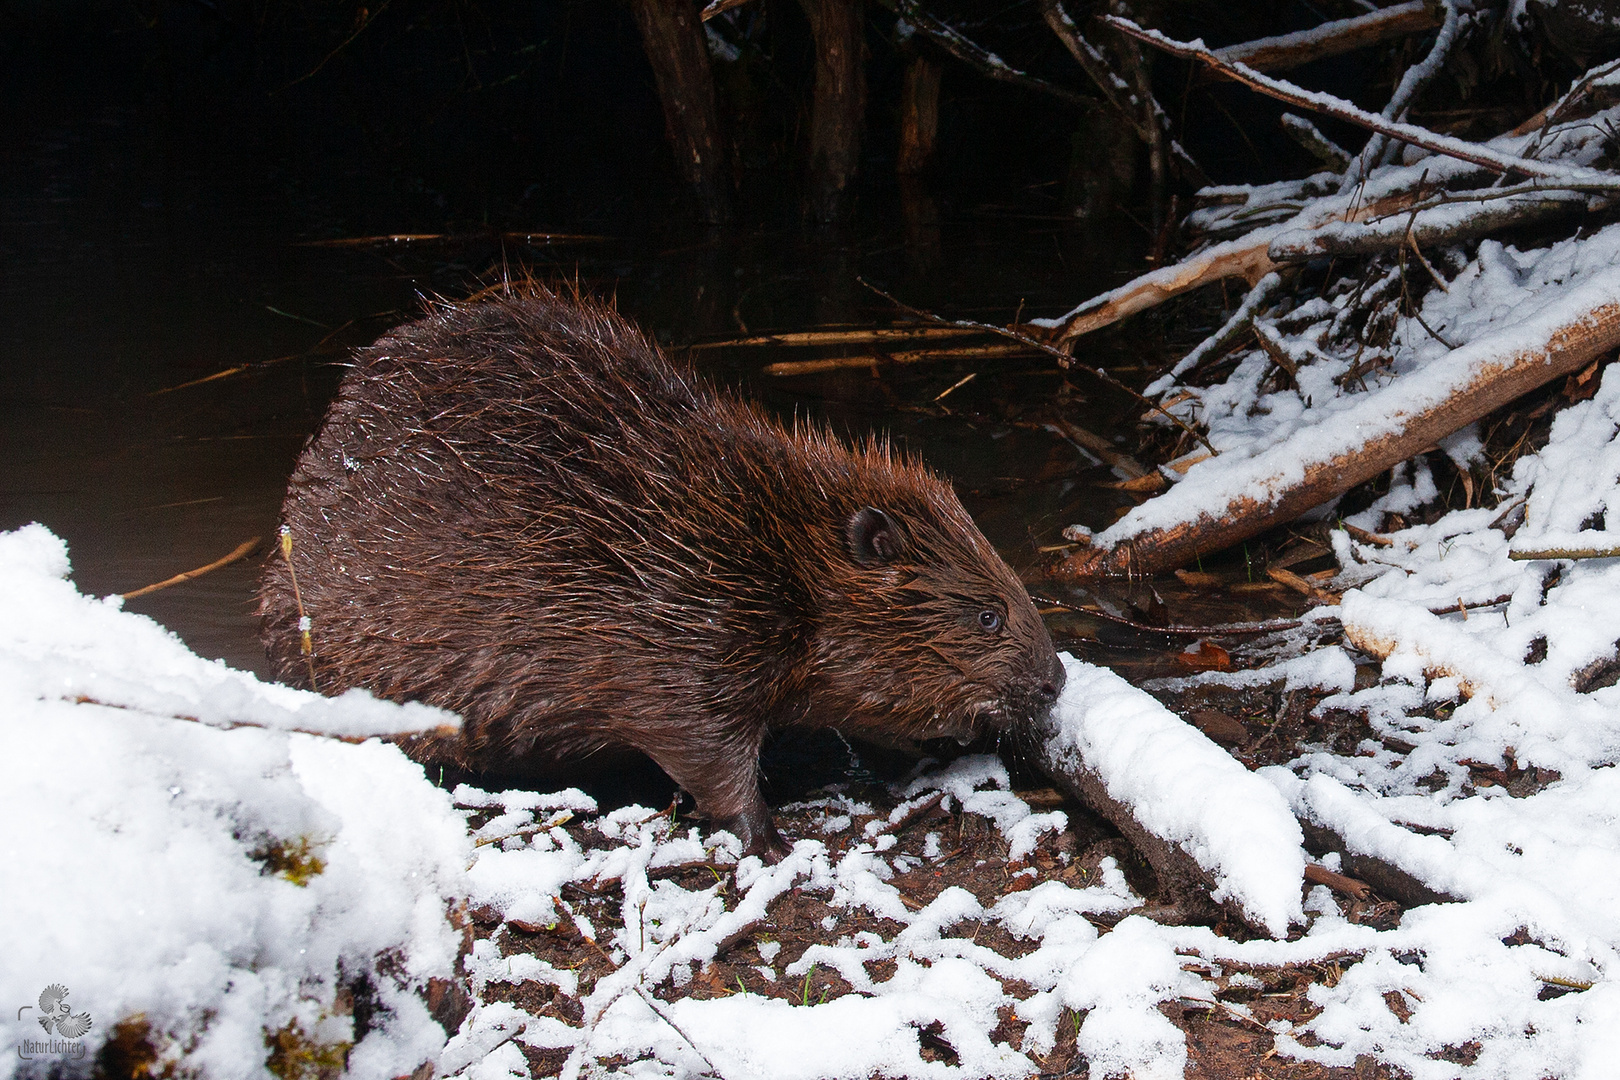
<point x="149" y="818"/>
<point x="153" y="891"/>
<point x="1504" y="304"/>
<point x="70" y="647"/>
<point x="142" y="854"/>
<point x="1183" y="788"/>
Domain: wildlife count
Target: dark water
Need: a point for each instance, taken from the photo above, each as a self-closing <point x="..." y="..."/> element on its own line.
<point x="147" y="242"/>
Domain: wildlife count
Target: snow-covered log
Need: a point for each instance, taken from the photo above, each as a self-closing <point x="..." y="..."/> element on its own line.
<point x="1241" y="496"/>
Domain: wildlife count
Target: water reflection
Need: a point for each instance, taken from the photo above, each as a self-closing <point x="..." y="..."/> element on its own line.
<point x="132" y="271"/>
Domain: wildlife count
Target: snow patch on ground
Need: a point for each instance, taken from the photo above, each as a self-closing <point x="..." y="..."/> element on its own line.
<point x="222" y="884"/>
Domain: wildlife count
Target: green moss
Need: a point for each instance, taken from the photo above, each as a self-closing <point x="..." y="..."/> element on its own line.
<point x="294" y="860"/>
<point x="294" y="1055"/>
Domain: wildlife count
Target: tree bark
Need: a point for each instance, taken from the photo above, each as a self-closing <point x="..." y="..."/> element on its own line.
<point x="672" y="36"/>
<point x="839" y="104"/>
<point x="919" y="114"/>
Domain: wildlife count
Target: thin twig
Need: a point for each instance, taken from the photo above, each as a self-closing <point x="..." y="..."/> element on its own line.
<point x="978" y="57"/>
<point x="238" y="553"/>
<point x="652" y="1004"/>
<point x="370" y="18"/>
<point x="1148" y="118"/>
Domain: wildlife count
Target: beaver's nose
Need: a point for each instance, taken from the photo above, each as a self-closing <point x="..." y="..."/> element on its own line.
<point x="1052" y="685"/>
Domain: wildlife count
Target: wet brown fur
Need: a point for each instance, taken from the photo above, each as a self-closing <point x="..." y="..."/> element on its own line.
<point x="519" y="510"/>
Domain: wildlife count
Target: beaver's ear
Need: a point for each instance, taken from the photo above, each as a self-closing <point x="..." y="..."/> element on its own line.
<point x="874" y="538"/>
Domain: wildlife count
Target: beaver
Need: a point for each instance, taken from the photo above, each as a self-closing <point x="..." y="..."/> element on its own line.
<point x="518" y="509"/>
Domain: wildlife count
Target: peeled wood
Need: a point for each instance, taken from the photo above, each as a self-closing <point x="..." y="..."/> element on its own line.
<point x="1247" y="259"/>
<point x="1251" y="258"/>
<point x="1567" y="348"/>
<point x="864" y="336"/>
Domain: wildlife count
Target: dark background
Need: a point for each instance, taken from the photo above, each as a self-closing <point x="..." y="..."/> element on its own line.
<point x="166" y="164"/>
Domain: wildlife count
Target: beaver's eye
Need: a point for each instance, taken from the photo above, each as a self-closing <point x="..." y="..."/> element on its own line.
<point x="990" y="619"/>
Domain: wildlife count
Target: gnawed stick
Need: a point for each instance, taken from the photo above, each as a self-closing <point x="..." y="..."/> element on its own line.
<point x="1593" y="551"/>
<point x="862" y="336"/>
<point x="1289" y="579"/>
<point x="1361" y="441"/>
<point x="238" y="553"/>
<point x="906" y="356"/>
<point x="1320" y="875"/>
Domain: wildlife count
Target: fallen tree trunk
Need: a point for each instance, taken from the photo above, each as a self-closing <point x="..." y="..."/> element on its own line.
<point x="1379" y="431"/>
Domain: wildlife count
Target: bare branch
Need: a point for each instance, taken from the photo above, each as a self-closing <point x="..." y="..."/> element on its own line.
<point x="1331" y="38"/>
<point x="1319" y="145"/>
<point x="1413" y="82"/>
<point x="1147" y="118"/>
<point x="1475" y="153"/>
<point x="977" y="56"/>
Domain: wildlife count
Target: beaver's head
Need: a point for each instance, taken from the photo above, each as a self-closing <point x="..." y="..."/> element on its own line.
<point x="921" y="630"/>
